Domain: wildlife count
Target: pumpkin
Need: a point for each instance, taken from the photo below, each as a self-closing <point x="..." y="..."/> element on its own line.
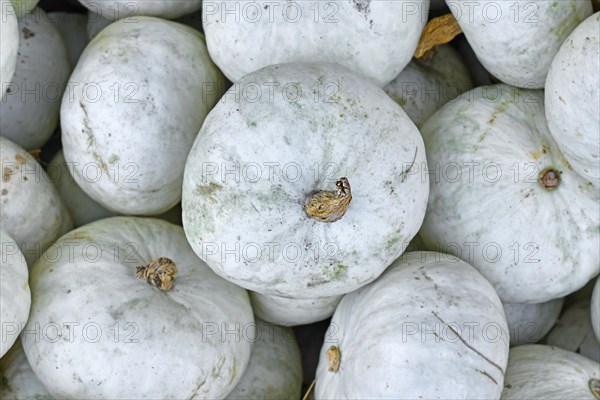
<point x="72" y="28"/>
<point x="312" y="209"/>
<point x="497" y="178"/>
<point x="23" y="7"/>
<point x="15" y="297"/>
<point x="528" y="323"/>
<point x="31" y="210"/>
<point x="595" y="309"/>
<point x="275" y="368"/>
<point x="545" y="372"/>
<point x="30" y="107"/>
<point x="17" y="379"/>
<point x="292" y="312"/>
<point x="9" y="31"/>
<point x="574" y="114"/>
<point x="426" y="85"/>
<point x="516" y="41"/>
<point x="119" y="9"/>
<point x="573" y="331"/>
<point x="374" y="38"/>
<point x="431" y="326"/>
<point x="169" y="328"/>
<point x="137" y="170"/>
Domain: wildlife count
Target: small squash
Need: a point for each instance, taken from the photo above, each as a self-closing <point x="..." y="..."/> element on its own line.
<point x="119" y="9"/>
<point x="528" y="323"/>
<point x="292" y="312"/>
<point x="9" y="46"/>
<point x="17" y="380"/>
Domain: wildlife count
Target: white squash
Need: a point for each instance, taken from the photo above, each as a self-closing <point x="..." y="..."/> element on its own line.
<point x="30" y="107"/>
<point x="595" y="309"/>
<point x="23" y="7"/>
<point x="9" y="31"/>
<point x="573" y="331"/>
<point x="290" y="311"/>
<point x="516" y="41"/>
<point x="528" y="323"/>
<point x="119" y="9"/>
<point x="17" y="380"/>
<point x="544" y="372"/>
<point x="504" y="199"/>
<point x="275" y="368"/>
<point x="426" y="85"/>
<point x="375" y="38"/>
<point x="128" y="338"/>
<point x="15" y="296"/>
<point x="431" y="326"/>
<point x="249" y="204"/>
<point x="72" y="28"/>
<point x="133" y="130"/>
<point x="31" y="210"/>
<point x="572" y="92"/>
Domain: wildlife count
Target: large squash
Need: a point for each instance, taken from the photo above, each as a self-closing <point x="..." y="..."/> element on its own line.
<point x="504" y="198"/>
<point x="298" y="184"/>
<point x="144" y="316"/>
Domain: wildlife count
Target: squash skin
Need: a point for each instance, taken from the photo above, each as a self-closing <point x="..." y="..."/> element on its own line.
<point x="24" y="7"/>
<point x="358" y="135"/>
<point x="275" y="368"/>
<point x="9" y="30"/>
<point x="504" y="205"/>
<point x="29" y="119"/>
<point x="175" y="356"/>
<point x="545" y="372"/>
<point x="374" y="38"/>
<point x="292" y="312"/>
<point x="31" y="210"/>
<point x="595" y="309"/>
<point x="15" y="296"/>
<point x="119" y="9"/>
<point x="573" y="113"/>
<point x="383" y="357"/>
<point x="17" y="379"/>
<point x="528" y="323"/>
<point x="136" y="138"/>
<point x="517" y="44"/>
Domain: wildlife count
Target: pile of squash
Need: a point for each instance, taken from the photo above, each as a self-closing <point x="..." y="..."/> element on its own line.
<point x="353" y="199"/>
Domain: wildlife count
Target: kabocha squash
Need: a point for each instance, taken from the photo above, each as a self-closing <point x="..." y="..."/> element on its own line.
<point x="292" y="312"/>
<point x="313" y="208"/>
<point x="31" y="210"/>
<point x="119" y="9"/>
<point x="9" y="31"/>
<point x="572" y="93"/>
<point x="15" y="296"/>
<point x="504" y="198"/>
<point x="30" y="107"/>
<point x="275" y="368"/>
<point x="146" y="317"/>
<point x="595" y="309"/>
<point x="516" y="41"/>
<point x="545" y="372"/>
<point x="426" y="85"/>
<point x="375" y="38"/>
<point x="17" y="380"/>
<point x="528" y="323"/>
<point x="135" y="124"/>
<point x="445" y="336"/>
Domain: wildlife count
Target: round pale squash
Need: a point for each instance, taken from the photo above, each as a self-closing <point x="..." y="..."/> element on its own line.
<point x="132" y="337"/>
<point x="260" y="203"/>
<point x="23" y="7"/>
<point x="516" y="41"/>
<point x="292" y="312"/>
<point x="528" y="323"/>
<point x="426" y="85"/>
<point x="31" y="210"/>
<point x="72" y="28"/>
<point x="275" y="368"/>
<point x="136" y="112"/>
<point x="30" y="107"/>
<point x="573" y="113"/>
<point x="545" y="372"/>
<point x="431" y="326"/>
<point x="573" y="331"/>
<point x="9" y="31"/>
<point x="17" y="380"/>
<point x="504" y="199"/>
<point x="119" y="9"/>
<point x="375" y="38"/>
<point x="15" y="296"/>
<point x="595" y="309"/>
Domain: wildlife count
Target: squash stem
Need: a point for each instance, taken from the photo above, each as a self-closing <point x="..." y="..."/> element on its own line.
<point x="549" y="179"/>
<point x="159" y="273"/>
<point x="326" y="206"/>
<point x="334" y="357"/>
<point x="594" y="385"/>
